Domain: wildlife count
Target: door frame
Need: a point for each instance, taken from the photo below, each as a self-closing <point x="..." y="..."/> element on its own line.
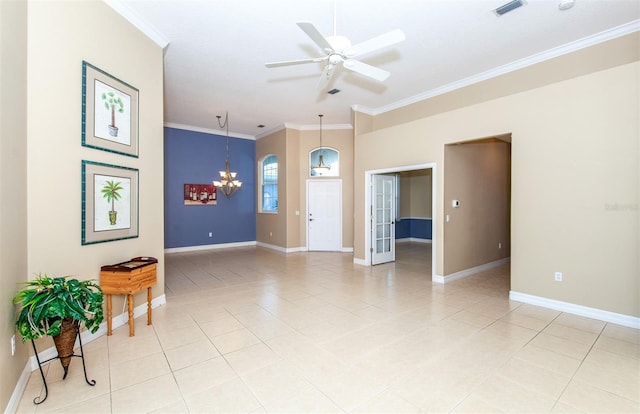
<point x="306" y="218"/>
<point x="368" y="182"/>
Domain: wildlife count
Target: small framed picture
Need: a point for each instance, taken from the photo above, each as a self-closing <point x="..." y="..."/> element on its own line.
<point x="109" y="112"/>
<point x="200" y="195"/>
<point x="109" y="202"/>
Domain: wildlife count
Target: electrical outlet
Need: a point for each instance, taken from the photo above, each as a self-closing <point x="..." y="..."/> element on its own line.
<point x="13" y="345"/>
<point x="558" y="276"/>
<point x="499" y="245"/>
<point x="210" y="234"/>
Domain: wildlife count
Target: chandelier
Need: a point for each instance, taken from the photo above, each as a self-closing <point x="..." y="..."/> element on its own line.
<point x="321" y="168"/>
<point x="228" y="183"/>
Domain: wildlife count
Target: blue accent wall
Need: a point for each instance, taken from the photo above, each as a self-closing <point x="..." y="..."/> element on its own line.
<point x="197" y="157"/>
<point x="417" y="228"/>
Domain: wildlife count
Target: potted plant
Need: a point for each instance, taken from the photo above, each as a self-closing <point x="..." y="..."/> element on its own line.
<point x="113" y="103"/>
<point x="55" y="306"/>
<point x="110" y="191"/>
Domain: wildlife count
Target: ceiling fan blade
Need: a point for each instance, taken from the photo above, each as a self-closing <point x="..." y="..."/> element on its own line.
<point x="366" y="69"/>
<point x="316" y="36"/>
<point x="327" y="74"/>
<point x="378" y="42"/>
<point x="292" y="62"/>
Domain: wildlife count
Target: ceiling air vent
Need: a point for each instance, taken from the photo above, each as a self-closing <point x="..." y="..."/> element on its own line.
<point x="506" y="8"/>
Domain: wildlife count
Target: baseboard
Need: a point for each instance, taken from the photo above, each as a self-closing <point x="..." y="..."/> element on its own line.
<point x="468" y="272"/>
<point x="593" y="313"/>
<point x="360" y="262"/>
<point x="413" y="240"/>
<point x="347" y="250"/>
<point x="276" y="248"/>
<point x="209" y="247"/>
<point x="86" y="336"/>
<point x="18" y="391"/>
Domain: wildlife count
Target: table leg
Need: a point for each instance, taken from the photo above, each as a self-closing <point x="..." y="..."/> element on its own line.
<point x="108" y="314"/>
<point x="149" y="305"/>
<point x="131" y="328"/>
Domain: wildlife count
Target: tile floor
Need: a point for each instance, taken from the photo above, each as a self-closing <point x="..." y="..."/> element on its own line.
<point x="252" y="330"/>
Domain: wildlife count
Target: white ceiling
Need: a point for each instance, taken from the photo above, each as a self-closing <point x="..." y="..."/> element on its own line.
<point x="214" y="61"/>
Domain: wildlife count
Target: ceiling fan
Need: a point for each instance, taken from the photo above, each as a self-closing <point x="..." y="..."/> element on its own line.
<point x="338" y="50"/>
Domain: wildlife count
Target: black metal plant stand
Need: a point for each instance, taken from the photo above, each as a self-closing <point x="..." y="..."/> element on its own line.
<point x="39" y="399"/>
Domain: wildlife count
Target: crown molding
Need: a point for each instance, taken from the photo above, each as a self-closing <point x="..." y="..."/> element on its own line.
<point x="326" y="127"/>
<point x="125" y="11"/>
<point x="208" y="131"/>
<point x="585" y="42"/>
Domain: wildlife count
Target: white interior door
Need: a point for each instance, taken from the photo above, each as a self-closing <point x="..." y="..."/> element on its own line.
<point x="383" y="229"/>
<point x="324" y="215"/>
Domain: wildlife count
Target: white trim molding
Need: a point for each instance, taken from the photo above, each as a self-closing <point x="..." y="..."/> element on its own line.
<point x="468" y="272"/>
<point x="86" y="336"/>
<point x="208" y="247"/>
<point x="133" y="18"/>
<point x="622" y="30"/>
<point x="18" y="391"/>
<point x="281" y="249"/>
<point x="208" y="131"/>
<point x="593" y="313"/>
<point x="413" y="240"/>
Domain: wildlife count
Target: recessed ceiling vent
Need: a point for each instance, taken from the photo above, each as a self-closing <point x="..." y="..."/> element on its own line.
<point x="506" y="8"/>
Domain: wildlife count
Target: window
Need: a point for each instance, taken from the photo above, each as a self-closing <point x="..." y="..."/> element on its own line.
<point x="330" y="158"/>
<point x="269" y="179"/>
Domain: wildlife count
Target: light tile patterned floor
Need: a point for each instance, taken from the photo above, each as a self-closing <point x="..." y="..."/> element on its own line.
<point x="253" y="330"/>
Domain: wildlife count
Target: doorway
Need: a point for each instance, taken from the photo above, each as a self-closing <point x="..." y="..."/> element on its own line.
<point x="369" y="182"/>
<point x="324" y="215"/>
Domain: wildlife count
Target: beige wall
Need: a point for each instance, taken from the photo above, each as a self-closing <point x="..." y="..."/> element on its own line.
<point x="415" y="194"/>
<point x="13" y="182"/>
<point x="41" y="154"/>
<point x="292" y="146"/>
<point x="61" y="35"/>
<point x="271" y="228"/>
<point x="342" y="141"/>
<point x="294" y="179"/>
<point x="575" y="175"/>
<point x="477" y="175"/>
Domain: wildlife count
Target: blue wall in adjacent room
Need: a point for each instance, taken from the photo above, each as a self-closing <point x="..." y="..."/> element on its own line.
<point x="415" y="228"/>
<point x="196" y="157"/>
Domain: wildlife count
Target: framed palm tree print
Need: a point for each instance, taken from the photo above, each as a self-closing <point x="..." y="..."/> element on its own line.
<point x="109" y="202"/>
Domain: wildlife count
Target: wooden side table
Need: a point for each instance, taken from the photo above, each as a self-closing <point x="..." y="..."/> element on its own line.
<point x="128" y="278"/>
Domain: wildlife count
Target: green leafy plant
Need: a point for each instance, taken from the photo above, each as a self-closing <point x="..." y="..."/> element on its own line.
<point x="46" y="301"/>
<point x="113" y="103"/>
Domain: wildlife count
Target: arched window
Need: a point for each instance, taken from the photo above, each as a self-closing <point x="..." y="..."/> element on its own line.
<point x="330" y="158"/>
<point x="269" y="184"/>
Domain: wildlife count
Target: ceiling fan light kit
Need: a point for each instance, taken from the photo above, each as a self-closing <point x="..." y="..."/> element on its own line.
<point x="338" y="50"/>
<point x="566" y="4"/>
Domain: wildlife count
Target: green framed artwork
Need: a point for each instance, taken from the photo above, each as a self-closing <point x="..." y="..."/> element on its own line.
<point x="109" y="202"/>
<point x="109" y="112"/>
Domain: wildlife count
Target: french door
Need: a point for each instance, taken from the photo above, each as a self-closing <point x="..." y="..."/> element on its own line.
<point x="383" y="227"/>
